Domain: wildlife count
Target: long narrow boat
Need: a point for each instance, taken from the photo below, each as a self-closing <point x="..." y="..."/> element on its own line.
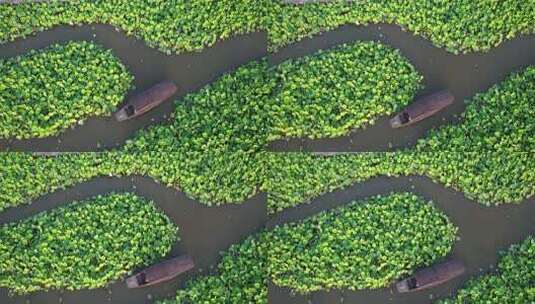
<point x="146" y="101"/>
<point x="422" y="109"/>
<point x="431" y="276"/>
<point x="161" y="272"/>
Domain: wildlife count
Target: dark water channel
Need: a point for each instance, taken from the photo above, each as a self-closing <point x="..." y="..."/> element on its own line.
<point x="483" y="232"/>
<point x="204" y="232"/>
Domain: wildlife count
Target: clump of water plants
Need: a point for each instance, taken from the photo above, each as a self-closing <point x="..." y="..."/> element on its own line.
<point x="511" y="283"/>
<point x="490" y="178"/>
<point x="84" y="245"/>
<point x="171" y="26"/>
<point x="458" y="26"/>
<point x="213" y="179"/>
<point x="335" y="91"/>
<point x="366" y="244"/>
<point x="240" y="277"/>
<point x="47" y="91"/>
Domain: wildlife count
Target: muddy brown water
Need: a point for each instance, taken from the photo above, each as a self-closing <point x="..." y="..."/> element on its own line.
<point x="207" y="230"/>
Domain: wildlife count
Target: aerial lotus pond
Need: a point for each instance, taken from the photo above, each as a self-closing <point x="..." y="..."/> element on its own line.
<point x="47" y="91"/>
<point x="213" y="147"/>
<point x="84" y="245"/>
<point x="179" y="26"/>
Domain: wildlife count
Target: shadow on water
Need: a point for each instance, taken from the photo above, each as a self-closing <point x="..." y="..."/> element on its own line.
<point x="483" y="232"/>
<point x="190" y="71"/>
<point x="464" y="75"/>
<point x="204" y="232"/>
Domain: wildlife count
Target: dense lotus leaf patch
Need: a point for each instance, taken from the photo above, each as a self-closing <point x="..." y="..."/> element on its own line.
<point x="326" y="94"/>
<point x="298" y="254"/>
<point x="86" y="244"/>
<point x="365" y="244"/>
<point x="458" y="26"/>
<point x="212" y="179"/>
<point x="46" y="91"/>
<point x="491" y="178"/>
<point x="178" y="26"/>
<point x="240" y="277"/>
<point x="341" y="89"/>
<point x="171" y="26"/>
<point x="511" y="283"/>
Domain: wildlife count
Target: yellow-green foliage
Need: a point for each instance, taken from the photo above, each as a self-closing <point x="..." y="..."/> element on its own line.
<point x="84" y="245"/>
<point x="178" y="26"/>
<point x="45" y="92"/>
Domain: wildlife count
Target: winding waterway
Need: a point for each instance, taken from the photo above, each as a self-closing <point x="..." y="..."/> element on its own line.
<point x="465" y="75"/>
<point x="190" y="71"/>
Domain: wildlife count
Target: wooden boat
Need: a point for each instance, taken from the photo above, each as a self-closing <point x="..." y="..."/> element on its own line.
<point x="431" y="276"/>
<point x="147" y="100"/>
<point x="161" y="272"/>
<point x="422" y="108"/>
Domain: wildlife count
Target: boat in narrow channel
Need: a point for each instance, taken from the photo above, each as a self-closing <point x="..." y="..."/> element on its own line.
<point x="161" y="272"/>
<point x="431" y="276"/>
<point x="422" y="109"/>
<point x="146" y="101"/>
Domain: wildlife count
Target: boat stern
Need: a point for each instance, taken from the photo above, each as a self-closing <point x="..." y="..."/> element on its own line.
<point x="131" y="282"/>
<point x="395" y="122"/>
<point x="402" y="286"/>
<point x="121" y="115"/>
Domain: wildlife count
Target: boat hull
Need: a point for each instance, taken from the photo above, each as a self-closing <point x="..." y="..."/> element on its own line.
<point x="431" y="276"/>
<point x="161" y="272"/>
<point x="422" y="109"/>
<point x="146" y="101"/>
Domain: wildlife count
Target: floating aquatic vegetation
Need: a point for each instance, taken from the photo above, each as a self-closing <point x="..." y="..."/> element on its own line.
<point x="511" y="283"/>
<point x="47" y="91"/>
<point x="84" y="245"/>
<point x="179" y="26"/>
<point x="490" y="178"/>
